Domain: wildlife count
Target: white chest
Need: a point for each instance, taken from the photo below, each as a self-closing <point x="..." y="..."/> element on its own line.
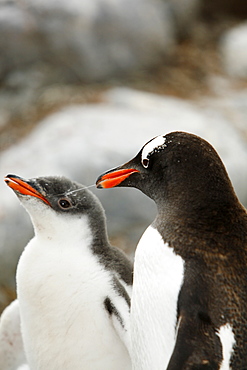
<point x="158" y="276"/>
<point x="61" y="293"/>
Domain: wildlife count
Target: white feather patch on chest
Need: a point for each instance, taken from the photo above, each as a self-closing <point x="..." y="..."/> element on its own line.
<point x="158" y="276"/>
<point x="61" y="288"/>
<point x="227" y="341"/>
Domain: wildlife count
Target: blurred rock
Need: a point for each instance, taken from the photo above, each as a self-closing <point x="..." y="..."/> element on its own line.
<point x="80" y="40"/>
<point x="232" y="103"/>
<point x="185" y="13"/>
<point x="233" y="48"/>
<point x="81" y="142"/>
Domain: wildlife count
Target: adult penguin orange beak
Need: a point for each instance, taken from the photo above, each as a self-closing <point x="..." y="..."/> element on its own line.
<point x="114" y="177"/>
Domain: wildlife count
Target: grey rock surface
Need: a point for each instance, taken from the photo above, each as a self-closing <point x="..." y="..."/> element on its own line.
<point x="233" y="47"/>
<point x="81" y="40"/>
<point x="185" y="13"/>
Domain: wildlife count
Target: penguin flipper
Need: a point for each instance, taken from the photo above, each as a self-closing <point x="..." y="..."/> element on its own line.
<point x="197" y="346"/>
<point x="119" y="313"/>
<point x="12" y="353"/>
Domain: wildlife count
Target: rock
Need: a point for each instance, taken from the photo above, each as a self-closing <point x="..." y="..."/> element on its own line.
<point x="231" y="103"/>
<point x="185" y="14"/>
<point x="80" y="40"/>
<point x="233" y="48"/>
<point x="81" y="142"/>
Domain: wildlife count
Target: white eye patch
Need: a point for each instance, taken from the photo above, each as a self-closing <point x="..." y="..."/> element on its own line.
<point x="154" y="145"/>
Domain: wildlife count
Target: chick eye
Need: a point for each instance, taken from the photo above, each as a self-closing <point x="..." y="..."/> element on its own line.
<point x="145" y="162"/>
<point x="64" y="203"/>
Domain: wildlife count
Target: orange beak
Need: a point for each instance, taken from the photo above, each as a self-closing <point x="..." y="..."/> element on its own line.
<point x="21" y="186"/>
<point x="114" y="178"/>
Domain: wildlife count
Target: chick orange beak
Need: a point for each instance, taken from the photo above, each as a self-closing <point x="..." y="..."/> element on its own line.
<point x="21" y="186"/>
<point x="114" y="178"/>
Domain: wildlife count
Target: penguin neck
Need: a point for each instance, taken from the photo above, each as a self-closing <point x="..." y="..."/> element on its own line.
<point x="100" y="240"/>
<point x="188" y="218"/>
<point x="62" y="231"/>
<point x="202" y="200"/>
<point x="69" y="232"/>
<point x="193" y="190"/>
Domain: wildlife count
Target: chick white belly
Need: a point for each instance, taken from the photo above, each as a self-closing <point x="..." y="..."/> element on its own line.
<point x="64" y="323"/>
<point x="158" y="276"/>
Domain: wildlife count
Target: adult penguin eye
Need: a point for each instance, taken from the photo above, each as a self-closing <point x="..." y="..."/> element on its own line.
<point x="145" y="162"/>
<point x="64" y="203"/>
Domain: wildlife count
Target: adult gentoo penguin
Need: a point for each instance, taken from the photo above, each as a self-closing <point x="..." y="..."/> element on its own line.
<point x="189" y="301"/>
<point x="73" y="287"/>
